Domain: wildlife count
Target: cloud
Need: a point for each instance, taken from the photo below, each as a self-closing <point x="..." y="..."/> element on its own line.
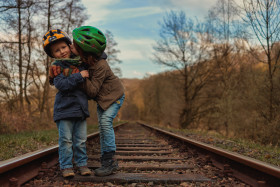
<point x="192" y="8"/>
<point x="134" y="12"/>
<point x="137" y="73"/>
<point x="239" y="2"/>
<point x="150" y="73"/>
<point x="194" y="4"/>
<point x="98" y="9"/>
<point x="135" y="49"/>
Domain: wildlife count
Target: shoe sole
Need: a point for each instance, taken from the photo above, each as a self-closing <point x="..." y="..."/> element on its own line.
<point x="86" y="173"/>
<point x="113" y="171"/>
<point x="69" y="175"/>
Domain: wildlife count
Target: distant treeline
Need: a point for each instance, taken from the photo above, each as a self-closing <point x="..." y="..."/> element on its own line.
<point x="224" y="72"/>
<point x="233" y="101"/>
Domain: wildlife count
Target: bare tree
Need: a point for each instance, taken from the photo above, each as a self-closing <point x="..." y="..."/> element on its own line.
<point x="25" y="27"/>
<point x="73" y="12"/>
<point x="183" y="47"/>
<point x="30" y="11"/>
<point x="225" y="30"/>
<point x="223" y="21"/>
<point x="112" y="52"/>
<point x="14" y="20"/>
<point x="151" y="90"/>
<point x="8" y="90"/>
<point x="264" y="19"/>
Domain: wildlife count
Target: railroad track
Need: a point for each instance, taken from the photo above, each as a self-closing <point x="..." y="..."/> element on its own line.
<point x="147" y="156"/>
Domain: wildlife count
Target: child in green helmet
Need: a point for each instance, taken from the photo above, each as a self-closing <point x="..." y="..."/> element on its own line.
<point x="102" y="86"/>
<point x="71" y="104"/>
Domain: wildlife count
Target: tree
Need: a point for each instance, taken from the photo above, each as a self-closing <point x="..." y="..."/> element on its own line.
<point x="263" y="17"/>
<point x="28" y="69"/>
<point x="30" y="11"/>
<point x="73" y="12"/>
<point x="223" y="22"/>
<point x="225" y="32"/>
<point x="14" y="20"/>
<point x="112" y="52"/>
<point x="183" y="47"/>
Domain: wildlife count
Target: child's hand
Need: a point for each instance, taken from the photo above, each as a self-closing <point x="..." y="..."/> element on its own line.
<point x="85" y="74"/>
<point x="55" y="70"/>
<point x="73" y="49"/>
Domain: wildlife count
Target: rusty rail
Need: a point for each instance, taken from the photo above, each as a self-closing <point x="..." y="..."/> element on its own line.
<point x="252" y="171"/>
<point x="138" y="151"/>
<point x="16" y="171"/>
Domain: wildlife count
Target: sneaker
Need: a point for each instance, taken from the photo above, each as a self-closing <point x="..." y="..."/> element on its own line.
<point x="68" y="172"/>
<point x="84" y="171"/>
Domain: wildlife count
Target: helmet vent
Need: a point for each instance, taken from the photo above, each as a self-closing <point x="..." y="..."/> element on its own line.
<point x="87" y="42"/>
<point x="100" y="33"/>
<point x="86" y="29"/>
<point x="100" y="43"/>
<point x="87" y="37"/>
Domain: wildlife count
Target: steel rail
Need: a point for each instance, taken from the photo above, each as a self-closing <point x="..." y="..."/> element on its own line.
<point x="19" y="170"/>
<point x="249" y="170"/>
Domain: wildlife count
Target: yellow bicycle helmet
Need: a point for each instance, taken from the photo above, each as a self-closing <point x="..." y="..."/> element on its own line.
<point x="53" y="36"/>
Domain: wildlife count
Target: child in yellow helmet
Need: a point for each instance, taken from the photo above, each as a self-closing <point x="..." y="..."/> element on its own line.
<point x="71" y="103"/>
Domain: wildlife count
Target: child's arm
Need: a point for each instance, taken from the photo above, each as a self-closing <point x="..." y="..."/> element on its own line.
<point x="92" y="85"/>
<point x="57" y="67"/>
<point x="68" y="83"/>
<point x="53" y="72"/>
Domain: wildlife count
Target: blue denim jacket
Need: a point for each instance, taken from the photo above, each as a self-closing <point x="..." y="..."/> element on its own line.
<point x="70" y="100"/>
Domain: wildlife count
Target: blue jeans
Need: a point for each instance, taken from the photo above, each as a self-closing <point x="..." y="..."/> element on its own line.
<point x="105" y="124"/>
<point x="72" y="133"/>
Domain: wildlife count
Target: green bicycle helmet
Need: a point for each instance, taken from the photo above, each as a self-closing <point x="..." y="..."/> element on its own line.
<point x="90" y="39"/>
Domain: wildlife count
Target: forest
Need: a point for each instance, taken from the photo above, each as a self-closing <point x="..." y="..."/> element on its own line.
<point x="223" y="71"/>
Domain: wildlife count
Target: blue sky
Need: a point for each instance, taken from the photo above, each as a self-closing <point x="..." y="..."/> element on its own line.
<point x="134" y="24"/>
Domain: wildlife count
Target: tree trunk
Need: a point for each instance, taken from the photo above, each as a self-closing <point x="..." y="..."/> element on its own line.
<point x="20" y="55"/>
<point x="28" y="66"/>
<point x="185" y="117"/>
<point x="45" y="104"/>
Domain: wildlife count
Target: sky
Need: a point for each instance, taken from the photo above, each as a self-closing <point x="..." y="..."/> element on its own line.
<point x="135" y="27"/>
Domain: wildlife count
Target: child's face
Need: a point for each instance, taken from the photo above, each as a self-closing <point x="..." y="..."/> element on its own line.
<point x="74" y="50"/>
<point x="60" y="49"/>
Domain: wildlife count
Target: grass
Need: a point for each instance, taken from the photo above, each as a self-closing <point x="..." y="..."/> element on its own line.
<point x="266" y="153"/>
<point x="12" y="145"/>
<point x="16" y="144"/>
